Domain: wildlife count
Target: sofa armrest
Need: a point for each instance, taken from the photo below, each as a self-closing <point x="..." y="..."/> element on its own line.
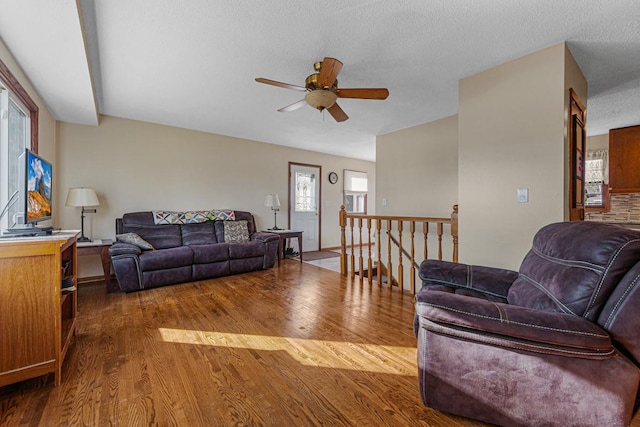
<point x="265" y="237"/>
<point x="512" y="326"/>
<point x="490" y="281"/>
<point x="121" y="248"/>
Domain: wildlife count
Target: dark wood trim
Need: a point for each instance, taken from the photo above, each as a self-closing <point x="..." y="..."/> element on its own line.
<point x="20" y="92"/>
<point x="577" y="156"/>
<point x="309" y="165"/>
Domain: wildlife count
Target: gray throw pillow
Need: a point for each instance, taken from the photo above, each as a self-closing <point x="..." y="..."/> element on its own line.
<point x="134" y="239"/>
<point x="236" y="232"/>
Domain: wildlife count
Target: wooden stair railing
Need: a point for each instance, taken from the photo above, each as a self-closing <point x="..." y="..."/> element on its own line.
<point x="351" y="228"/>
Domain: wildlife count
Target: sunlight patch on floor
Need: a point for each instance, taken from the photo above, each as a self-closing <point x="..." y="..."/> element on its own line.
<point x="318" y="353"/>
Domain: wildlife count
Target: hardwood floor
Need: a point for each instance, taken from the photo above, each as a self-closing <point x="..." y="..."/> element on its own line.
<point x="292" y="346"/>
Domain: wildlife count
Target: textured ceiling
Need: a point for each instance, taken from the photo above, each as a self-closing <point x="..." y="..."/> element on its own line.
<point x="192" y="64"/>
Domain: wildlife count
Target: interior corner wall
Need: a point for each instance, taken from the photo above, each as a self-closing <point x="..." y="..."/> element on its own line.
<point x="511" y="136"/>
<point x="138" y="166"/>
<point x="46" y="122"/>
<point x="573" y="79"/>
<point x="417" y="170"/>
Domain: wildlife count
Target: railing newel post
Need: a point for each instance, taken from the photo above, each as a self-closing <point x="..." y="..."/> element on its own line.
<point x="342" y="218"/>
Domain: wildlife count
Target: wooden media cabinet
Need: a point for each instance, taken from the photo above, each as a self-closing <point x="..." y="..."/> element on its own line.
<point x="37" y="316"/>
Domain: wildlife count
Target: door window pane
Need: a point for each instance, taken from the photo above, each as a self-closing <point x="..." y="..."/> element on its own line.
<point x="305" y="192"/>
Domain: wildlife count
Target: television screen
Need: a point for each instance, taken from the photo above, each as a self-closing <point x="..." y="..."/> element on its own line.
<point x="38" y="176"/>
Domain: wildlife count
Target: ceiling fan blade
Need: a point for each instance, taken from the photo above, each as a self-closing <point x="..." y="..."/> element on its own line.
<point x="364" y="93"/>
<point x="329" y="72"/>
<point x="293" y="106"/>
<point x="280" y="84"/>
<point x="337" y="113"/>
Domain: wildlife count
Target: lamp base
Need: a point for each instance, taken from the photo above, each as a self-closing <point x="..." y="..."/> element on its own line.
<point x="274" y="229"/>
<point x="83" y="239"/>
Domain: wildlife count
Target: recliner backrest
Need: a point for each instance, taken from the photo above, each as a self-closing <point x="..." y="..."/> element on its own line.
<point x="574" y="267"/>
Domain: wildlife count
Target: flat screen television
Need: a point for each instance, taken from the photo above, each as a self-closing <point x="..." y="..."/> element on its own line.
<point x="35" y="195"/>
<point x="38" y="188"/>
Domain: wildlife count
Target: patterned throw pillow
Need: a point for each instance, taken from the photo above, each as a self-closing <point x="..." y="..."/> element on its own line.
<point x="134" y="239"/>
<point x="236" y="232"/>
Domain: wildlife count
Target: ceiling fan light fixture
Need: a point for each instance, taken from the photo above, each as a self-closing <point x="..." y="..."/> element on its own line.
<point x="321" y="98"/>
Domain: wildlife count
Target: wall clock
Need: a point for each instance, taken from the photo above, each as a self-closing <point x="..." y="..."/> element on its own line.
<point x="333" y="177"/>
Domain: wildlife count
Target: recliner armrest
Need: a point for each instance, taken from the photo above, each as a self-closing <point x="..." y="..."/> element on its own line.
<point x="121" y="248"/>
<point x="265" y="237"/>
<point x="487" y="280"/>
<point x="512" y="326"/>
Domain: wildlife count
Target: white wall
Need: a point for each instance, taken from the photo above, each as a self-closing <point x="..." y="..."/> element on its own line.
<point x="417" y="170"/>
<point x="137" y="166"/>
<point x="511" y="135"/>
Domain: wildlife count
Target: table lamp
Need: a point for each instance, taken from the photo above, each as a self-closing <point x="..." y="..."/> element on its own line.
<point x="82" y="197"/>
<point x="272" y="201"/>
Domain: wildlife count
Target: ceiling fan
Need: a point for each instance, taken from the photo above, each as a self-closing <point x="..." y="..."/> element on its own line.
<point x="322" y="90"/>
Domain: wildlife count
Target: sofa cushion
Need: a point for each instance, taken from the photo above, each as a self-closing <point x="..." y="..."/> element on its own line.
<point x="198" y="234"/>
<point x="155" y="278"/>
<point x="203" y="254"/>
<point x="166" y="259"/>
<point x="244" y="265"/>
<point x="134" y="239"/>
<point x="207" y="271"/>
<point x="236" y="232"/>
<point x="160" y="236"/>
<point x="246" y="250"/>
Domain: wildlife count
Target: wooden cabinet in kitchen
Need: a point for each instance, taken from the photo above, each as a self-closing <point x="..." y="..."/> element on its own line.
<point x="624" y="160"/>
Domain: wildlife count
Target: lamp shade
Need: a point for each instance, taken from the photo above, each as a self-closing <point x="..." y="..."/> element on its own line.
<point x="82" y="197"/>
<point x="271" y="201"/>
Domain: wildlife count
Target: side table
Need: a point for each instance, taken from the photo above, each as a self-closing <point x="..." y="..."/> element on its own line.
<point x="100" y="247"/>
<point x="284" y="235"/>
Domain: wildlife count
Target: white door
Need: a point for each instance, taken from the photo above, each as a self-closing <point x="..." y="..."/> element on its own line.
<point x="304" y="210"/>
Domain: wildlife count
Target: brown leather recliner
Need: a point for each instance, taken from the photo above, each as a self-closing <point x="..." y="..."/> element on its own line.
<point x="555" y="344"/>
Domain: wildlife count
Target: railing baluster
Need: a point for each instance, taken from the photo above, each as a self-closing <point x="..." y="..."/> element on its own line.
<point x="454" y="232"/>
<point x="369" y="263"/>
<point x="400" y="247"/>
<point x="440" y="241"/>
<point x="425" y="230"/>
<point x="353" y="249"/>
<point x="360" y="263"/>
<point x="389" y="267"/>
<point x="379" y="244"/>
<point x="412" y="230"/>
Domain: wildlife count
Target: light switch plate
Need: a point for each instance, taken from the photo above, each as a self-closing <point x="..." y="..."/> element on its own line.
<point x="523" y="195"/>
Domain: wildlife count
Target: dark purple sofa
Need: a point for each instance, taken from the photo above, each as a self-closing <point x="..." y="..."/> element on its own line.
<point x="555" y="344"/>
<point x="186" y="252"/>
